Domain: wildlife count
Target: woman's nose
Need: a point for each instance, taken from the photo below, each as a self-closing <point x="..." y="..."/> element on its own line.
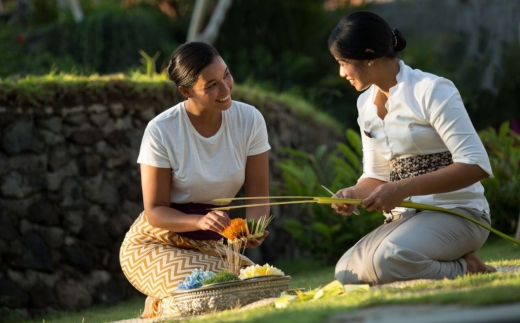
<point x="342" y="72"/>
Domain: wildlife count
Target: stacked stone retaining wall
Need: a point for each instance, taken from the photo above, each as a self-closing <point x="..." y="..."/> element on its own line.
<point x="70" y="189"/>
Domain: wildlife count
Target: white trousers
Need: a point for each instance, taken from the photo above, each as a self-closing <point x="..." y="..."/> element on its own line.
<point x="414" y="245"/>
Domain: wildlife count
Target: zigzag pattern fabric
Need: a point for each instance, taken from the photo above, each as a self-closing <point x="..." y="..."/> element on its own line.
<point x="155" y="260"/>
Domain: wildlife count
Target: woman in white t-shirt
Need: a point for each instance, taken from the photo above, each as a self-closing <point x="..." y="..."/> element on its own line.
<point x="206" y="147"/>
<point x="418" y="144"/>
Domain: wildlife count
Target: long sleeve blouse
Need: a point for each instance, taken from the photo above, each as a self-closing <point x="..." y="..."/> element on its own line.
<point x="426" y="115"/>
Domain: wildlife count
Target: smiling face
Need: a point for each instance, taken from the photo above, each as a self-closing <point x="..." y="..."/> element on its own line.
<point x="212" y="90"/>
<point x="355" y="72"/>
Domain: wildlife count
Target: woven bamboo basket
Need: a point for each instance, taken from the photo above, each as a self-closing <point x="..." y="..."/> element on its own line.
<point x="223" y="296"/>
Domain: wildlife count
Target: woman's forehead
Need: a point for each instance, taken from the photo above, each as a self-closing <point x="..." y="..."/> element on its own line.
<point x="215" y="69"/>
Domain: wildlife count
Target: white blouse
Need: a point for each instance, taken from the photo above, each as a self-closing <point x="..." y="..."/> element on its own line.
<point x="426" y="115"/>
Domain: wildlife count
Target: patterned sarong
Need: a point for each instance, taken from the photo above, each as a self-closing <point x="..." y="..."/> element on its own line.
<point x="402" y="168"/>
<point x="155" y="260"/>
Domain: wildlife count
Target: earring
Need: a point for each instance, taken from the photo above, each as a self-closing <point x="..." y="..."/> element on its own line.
<point x="369" y="63"/>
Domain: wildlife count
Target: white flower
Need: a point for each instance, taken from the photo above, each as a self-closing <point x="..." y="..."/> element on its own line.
<point x="257" y="270"/>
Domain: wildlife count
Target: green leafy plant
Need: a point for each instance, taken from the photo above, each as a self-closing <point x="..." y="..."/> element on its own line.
<point x="503" y="190"/>
<point x="319" y="230"/>
<point x="149" y="62"/>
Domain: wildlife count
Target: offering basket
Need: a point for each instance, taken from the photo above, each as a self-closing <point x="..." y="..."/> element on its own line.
<point x="228" y="295"/>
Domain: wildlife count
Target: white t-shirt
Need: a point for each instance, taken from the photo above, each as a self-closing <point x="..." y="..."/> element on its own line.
<point x="204" y="168"/>
<point x="425" y="116"/>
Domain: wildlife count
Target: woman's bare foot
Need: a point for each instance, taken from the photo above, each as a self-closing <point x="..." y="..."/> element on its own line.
<point x="475" y="265"/>
<point x="148" y="308"/>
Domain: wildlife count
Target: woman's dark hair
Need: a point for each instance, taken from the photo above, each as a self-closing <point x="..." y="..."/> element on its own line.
<point x="364" y="30"/>
<point x="188" y="61"/>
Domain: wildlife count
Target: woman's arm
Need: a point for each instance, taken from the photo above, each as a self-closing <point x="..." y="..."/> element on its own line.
<point x="257" y="184"/>
<point x="155" y="184"/>
<point x="451" y="178"/>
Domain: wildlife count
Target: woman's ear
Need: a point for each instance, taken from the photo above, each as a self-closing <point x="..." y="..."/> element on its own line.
<point x="185" y="91"/>
<point x="370" y="61"/>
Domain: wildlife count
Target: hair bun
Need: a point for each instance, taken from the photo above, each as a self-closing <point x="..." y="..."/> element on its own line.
<point x="400" y="42"/>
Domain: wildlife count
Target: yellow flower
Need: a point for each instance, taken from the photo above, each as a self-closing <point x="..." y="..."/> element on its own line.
<point x="257" y="270"/>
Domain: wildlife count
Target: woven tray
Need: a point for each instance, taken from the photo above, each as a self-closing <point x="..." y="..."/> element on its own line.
<point x="222" y="296"/>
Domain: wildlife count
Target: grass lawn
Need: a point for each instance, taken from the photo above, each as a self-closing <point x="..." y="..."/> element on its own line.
<point x="475" y="290"/>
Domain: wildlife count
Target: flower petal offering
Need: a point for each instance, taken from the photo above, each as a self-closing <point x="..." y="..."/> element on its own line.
<point x="195" y="279"/>
<point x="257" y="271"/>
<point x="237" y="230"/>
<point x="243" y="230"/>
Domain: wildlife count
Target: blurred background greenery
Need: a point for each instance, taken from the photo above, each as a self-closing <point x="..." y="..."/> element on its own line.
<point x="281" y="46"/>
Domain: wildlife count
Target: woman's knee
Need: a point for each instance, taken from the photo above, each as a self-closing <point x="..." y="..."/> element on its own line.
<point x="396" y="263"/>
<point x="343" y="273"/>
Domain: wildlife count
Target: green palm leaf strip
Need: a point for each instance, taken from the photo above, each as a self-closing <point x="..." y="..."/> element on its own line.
<point x="226" y="208"/>
<point x="333" y="200"/>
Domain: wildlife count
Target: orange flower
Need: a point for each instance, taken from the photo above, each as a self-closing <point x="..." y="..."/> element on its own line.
<point x="236" y="229"/>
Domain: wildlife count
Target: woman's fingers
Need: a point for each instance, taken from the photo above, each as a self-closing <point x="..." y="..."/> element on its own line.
<point x="345" y="209"/>
<point x="255" y="242"/>
<point x="215" y="221"/>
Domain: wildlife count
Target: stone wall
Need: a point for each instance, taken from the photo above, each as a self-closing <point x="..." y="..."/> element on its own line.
<point x="70" y="189"/>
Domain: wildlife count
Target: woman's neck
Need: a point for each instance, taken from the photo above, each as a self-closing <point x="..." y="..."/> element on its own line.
<point x="207" y="122"/>
<point x="389" y="69"/>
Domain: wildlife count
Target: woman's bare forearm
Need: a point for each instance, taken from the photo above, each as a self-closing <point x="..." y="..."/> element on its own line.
<point x="451" y="178"/>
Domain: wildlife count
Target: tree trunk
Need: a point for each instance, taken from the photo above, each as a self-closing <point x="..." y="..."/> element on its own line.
<point x="76" y="10"/>
<point x="197" y="19"/>
<point x="210" y="33"/>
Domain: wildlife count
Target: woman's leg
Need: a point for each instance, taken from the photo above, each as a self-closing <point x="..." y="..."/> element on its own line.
<point x="150" y="307"/>
<point x="430" y="245"/>
<point x="154" y="262"/>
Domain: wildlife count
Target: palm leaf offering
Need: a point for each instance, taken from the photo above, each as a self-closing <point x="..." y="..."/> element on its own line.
<point x="334" y="200"/>
<point x="256" y="228"/>
<point x="237" y="234"/>
<point x="331" y="289"/>
<point x="243" y="230"/>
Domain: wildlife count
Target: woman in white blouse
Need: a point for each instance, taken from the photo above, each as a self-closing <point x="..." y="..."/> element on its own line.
<point x="418" y="144"/>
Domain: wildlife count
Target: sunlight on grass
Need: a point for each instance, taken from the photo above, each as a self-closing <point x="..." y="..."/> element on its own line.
<point x="476" y="290"/>
<point x="97" y="314"/>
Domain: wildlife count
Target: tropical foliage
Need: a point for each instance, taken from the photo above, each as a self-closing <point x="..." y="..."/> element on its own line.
<point x="326" y="235"/>
<point x="320" y="231"/>
<point x="503" y="190"/>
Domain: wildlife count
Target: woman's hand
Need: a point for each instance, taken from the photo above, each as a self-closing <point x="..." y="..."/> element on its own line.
<point x="384" y="198"/>
<point x="215" y="221"/>
<point x="255" y="242"/>
<point x="345" y="209"/>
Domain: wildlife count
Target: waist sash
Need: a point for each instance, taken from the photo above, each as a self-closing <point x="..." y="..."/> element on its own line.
<point x="401" y="168"/>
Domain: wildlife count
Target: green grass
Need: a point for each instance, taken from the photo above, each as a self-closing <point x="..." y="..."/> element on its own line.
<point x="477" y="290"/>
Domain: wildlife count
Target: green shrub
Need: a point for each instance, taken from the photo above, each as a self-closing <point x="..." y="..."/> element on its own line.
<point x="323" y="233"/>
<point x="108" y="40"/>
<point x="503" y="191"/>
